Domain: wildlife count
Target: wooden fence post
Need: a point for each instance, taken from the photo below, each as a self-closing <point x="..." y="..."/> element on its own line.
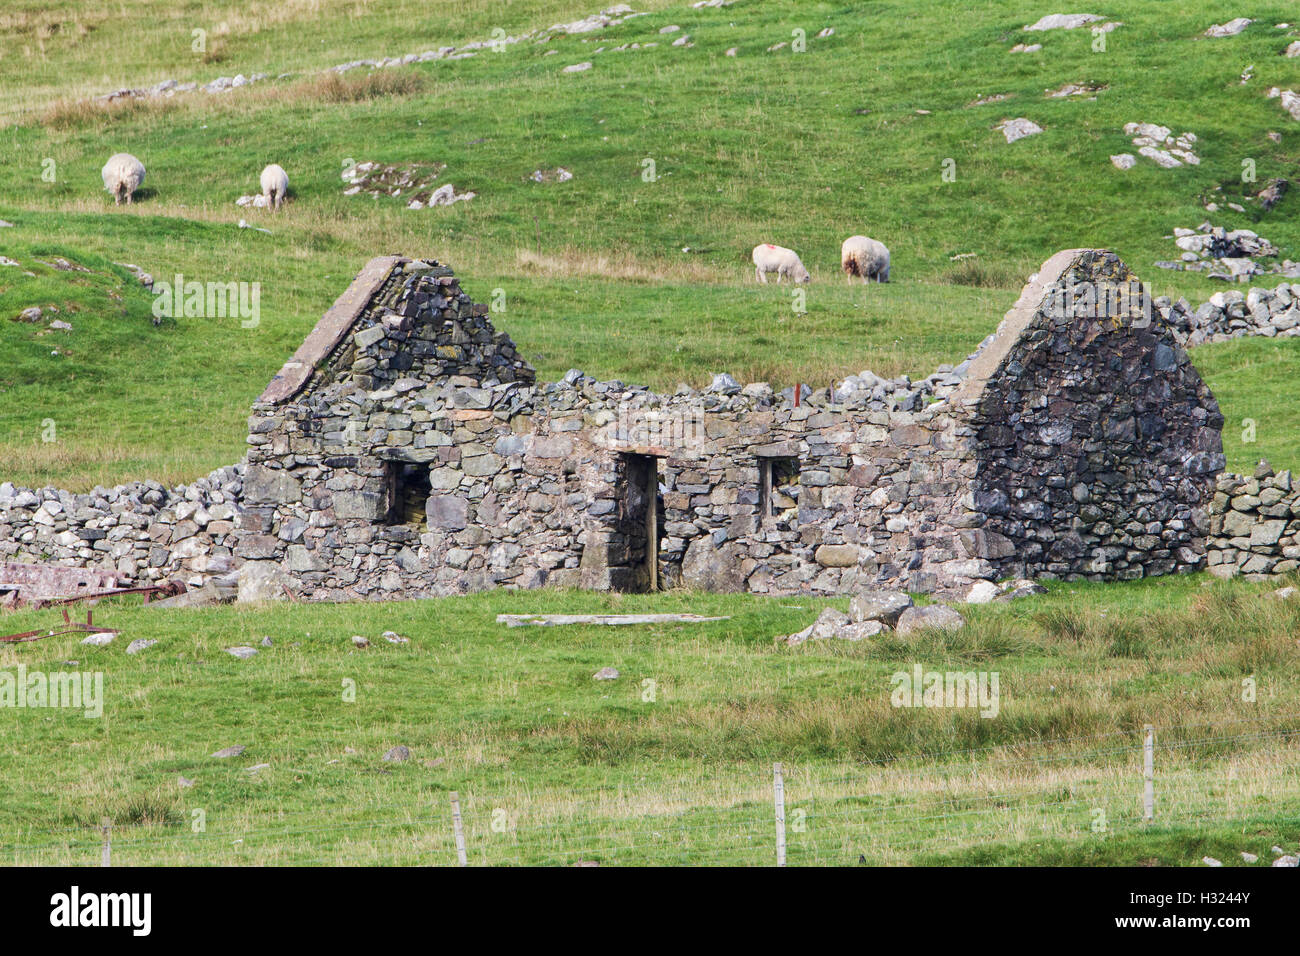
<point x="106" y="856"/>
<point x="778" y="792"/>
<point x="458" y="829"/>
<point x="1148" y="774"/>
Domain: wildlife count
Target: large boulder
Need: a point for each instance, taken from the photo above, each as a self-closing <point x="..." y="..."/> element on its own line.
<point x="883" y="606"/>
<point x="932" y="617"/>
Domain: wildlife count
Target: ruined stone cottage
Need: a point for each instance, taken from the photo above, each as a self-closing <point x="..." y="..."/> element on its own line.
<point x="407" y="449"/>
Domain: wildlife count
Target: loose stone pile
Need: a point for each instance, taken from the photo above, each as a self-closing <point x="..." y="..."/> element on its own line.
<point x="1227" y="254"/>
<point x="1231" y="314"/>
<point x="412" y="182"/>
<point x="1254" y="524"/>
<point x="1158" y="144"/>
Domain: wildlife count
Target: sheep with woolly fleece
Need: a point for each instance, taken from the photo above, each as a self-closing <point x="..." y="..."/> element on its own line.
<point x="866" y="257"/>
<point x="275" y="185"/>
<point x="123" y="174"/>
<point x="784" y="262"/>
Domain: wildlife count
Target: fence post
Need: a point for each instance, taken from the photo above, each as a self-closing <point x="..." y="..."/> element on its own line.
<point x="778" y="792"/>
<point x="461" y="859"/>
<point x="1148" y="773"/>
<point x="106" y="856"/>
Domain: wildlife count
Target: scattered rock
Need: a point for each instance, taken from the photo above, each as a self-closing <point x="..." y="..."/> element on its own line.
<point x="392" y="637"/>
<point x="1281" y="594"/>
<point x="1210" y="861"/>
<point x="1064" y="21"/>
<point x="411" y="182"/>
<point x="1026" y="48"/>
<point x="267" y="642"/>
<point x="931" y="617"/>
<point x="1019" y="128"/>
<point x="1249" y="857"/>
<point x="1022" y="587"/>
<point x="185" y="781"/>
<point x="605" y="673"/>
<point x="832" y="623"/>
<point x="256" y="768"/>
<point x="234" y="751"/>
<point x="1124" y="160"/>
<point x="359" y="641"/>
<point x="243" y="653"/>
<point x="577" y="68"/>
<point x="557" y="175"/>
<point x="1158" y="144"/>
<point x="398" y="754"/>
<point x="1231" y="28"/>
<point x="1074" y="89"/>
<point x="1287" y="861"/>
<point x="138" y="645"/>
<point x="101" y="639"/>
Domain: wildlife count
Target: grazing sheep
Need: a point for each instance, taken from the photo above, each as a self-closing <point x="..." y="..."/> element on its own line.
<point x="123" y="174"/>
<point x="784" y="262"/>
<point x="275" y="184"/>
<point x="861" y="256"/>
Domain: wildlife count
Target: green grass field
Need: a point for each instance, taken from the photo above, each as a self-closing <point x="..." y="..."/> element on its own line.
<point x="646" y="281"/>
<point x="673" y="757"/>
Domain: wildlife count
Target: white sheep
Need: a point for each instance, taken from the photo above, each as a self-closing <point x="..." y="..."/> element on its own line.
<point x="862" y="256"/>
<point x="784" y="262"/>
<point x="123" y="174"/>
<point x="275" y="184"/>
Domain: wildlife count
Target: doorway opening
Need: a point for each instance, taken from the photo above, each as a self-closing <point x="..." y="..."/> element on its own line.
<point x="640" y="516"/>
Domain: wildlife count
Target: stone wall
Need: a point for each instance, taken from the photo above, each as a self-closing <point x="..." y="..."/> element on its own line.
<point x="1255" y="524"/>
<point x="144" y="532"/>
<point x="1232" y="314"/>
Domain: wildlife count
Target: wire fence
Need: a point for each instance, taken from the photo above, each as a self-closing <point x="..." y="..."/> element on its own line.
<point x="930" y="807"/>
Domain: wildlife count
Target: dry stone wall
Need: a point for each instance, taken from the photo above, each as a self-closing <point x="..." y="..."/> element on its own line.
<point x="143" y="532"/>
<point x="1255" y="524"/>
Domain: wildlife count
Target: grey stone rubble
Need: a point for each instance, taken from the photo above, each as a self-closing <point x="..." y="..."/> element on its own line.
<point x="1158" y="144"/>
<point x="1290" y="100"/>
<point x="1233" y="314"/>
<point x="1228" y="254"/>
<point x="1064" y="21"/>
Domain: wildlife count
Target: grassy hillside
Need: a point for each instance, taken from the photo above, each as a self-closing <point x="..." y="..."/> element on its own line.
<point x="797" y="148"/>
<point x="672" y="761"/>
